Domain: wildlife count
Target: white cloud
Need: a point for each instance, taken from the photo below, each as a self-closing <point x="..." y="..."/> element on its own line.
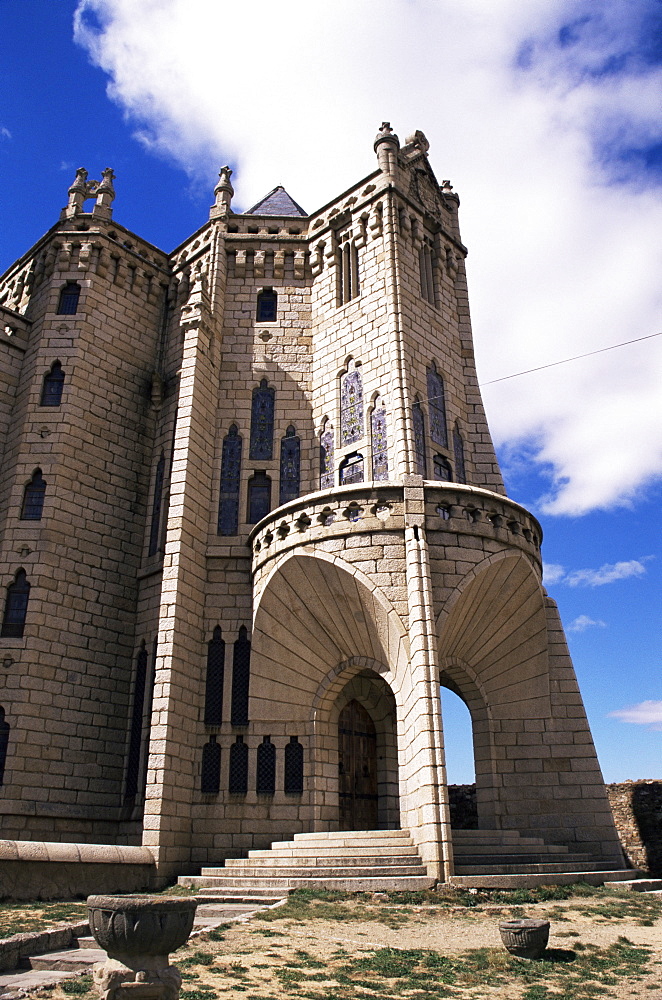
<point x="608" y="573"/>
<point x="562" y="259"/>
<point x="4" y="132"/>
<point x="552" y="573"/>
<point x="583" y="622"/>
<point x="646" y="713"/>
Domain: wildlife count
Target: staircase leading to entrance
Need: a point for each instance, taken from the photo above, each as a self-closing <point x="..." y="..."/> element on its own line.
<point x="365" y="860"/>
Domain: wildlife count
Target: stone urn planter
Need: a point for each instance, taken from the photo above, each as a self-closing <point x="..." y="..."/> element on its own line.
<point x="138" y="933"/>
<point x="525" y="938"/>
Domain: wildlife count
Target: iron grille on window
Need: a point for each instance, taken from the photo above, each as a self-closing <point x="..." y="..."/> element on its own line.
<point x="326" y="458"/>
<point x="262" y="422"/>
<point x="351" y="407"/>
<point x="16" y="607"/>
<point x="210" y="781"/>
<point x="420" y="451"/>
<point x="228" y="508"/>
<point x="52" y="386"/>
<point x="293" y="767"/>
<point x="238" y="777"/>
<point x="437" y="405"/>
<point x="379" y="444"/>
<point x="215" y="674"/>
<point x="458" y="452"/>
<point x="155" y="527"/>
<point x="4" y="743"/>
<point x="265" y="778"/>
<point x="241" y="671"/>
<point x="290" y="466"/>
<point x="33" y="498"/>
<point x="135" y="737"/>
<point x="68" y="302"/>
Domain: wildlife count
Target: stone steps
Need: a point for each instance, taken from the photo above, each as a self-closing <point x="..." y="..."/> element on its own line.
<point x="331" y="852"/>
<point x="357" y="883"/>
<point x="529" y="881"/>
<point x="295" y="860"/>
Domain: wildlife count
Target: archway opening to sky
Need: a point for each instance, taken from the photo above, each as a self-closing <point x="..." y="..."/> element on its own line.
<point x="458" y="739"/>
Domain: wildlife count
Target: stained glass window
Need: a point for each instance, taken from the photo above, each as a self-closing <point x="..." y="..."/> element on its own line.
<point x="351" y="407"/>
<point x="458" y="452"/>
<point x="437" y="405"/>
<point x="265" y="778"/>
<point x="135" y="736"/>
<point x="68" y="302"/>
<point x="16" y="607"/>
<point x="262" y="422"/>
<point x="155" y="527"/>
<point x="442" y="469"/>
<point x="228" y="508"/>
<point x="290" y="466"/>
<point x="379" y="442"/>
<point x="214" y="680"/>
<point x="418" y="421"/>
<point x="241" y="672"/>
<point x="293" y="767"/>
<point x="52" y="386"/>
<point x="259" y="496"/>
<point x="238" y="778"/>
<point x="267" y="306"/>
<point x="4" y="743"/>
<point x="33" y="498"/>
<point x="351" y="469"/>
<point x="210" y="781"/>
<point x="327" y="463"/>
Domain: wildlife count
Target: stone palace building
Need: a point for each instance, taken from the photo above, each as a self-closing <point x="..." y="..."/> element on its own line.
<point x="251" y="519"/>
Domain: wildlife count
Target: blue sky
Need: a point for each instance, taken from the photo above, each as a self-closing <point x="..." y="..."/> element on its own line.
<point x="547" y="118"/>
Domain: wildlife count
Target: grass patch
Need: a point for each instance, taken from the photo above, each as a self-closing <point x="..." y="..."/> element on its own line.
<point x="78" y="986"/>
<point x="19" y="918"/>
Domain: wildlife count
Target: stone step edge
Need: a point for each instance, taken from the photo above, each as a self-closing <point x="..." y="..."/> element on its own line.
<point x="406" y="850"/>
<point x="530" y="881"/>
<point x="21" y="946"/>
<point x="349" y="884"/>
<point x="533" y="869"/>
<point x="352" y="834"/>
<point x="327" y="871"/>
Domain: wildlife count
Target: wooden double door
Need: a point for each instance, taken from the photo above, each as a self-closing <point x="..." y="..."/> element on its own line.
<point x="357" y="766"/>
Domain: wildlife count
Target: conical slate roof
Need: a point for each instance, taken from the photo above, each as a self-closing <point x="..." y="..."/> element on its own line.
<point x="277" y="202"/>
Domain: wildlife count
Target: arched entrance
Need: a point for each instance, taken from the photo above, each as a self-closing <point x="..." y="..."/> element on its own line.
<point x="357" y="768"/>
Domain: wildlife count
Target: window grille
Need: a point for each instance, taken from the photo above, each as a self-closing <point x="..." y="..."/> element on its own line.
<point x="228" y="508"/>
<point x="351" y="407"/>
<point x="33" y="498"/>
<point x="442" y="469"/>
<point x="290" y="466"/>
<point x="259" y="496"/>
<point x="238" y="777"/>
<point x="16" y="607"/>
<point x="265" y="779"/>
<point x="241" y="669"/>
<point x="351" y="469"/>
<point x="4" y="743"/>
<point x="293" y="767"/>
<point x="458" y="452"/>
<point x="68" y="302"/>
<point x="327" y="462"/>
<point x="267" y="306"/>
<point x="262" y="422"/>
<point x="379" y="442"/>
<point x="136" y="732"/>
<point x="437" y="405"/>
<point x="210" y="781"/>
<point x="155" y="527"/>
<point x="52" y="386"/>
<point x="214" y="681"/>
<point x="420" y="451"/>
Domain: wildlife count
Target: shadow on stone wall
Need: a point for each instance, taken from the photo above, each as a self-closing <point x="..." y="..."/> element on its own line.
<point x="464" y="813"/>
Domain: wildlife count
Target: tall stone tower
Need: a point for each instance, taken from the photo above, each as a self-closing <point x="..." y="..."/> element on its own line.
<point x="253" y="521"/>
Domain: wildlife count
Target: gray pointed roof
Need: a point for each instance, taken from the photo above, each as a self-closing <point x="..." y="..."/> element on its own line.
<point x="277" y="202"/>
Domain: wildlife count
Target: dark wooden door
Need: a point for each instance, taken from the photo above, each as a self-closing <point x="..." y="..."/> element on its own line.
<point x="357" y="766"/>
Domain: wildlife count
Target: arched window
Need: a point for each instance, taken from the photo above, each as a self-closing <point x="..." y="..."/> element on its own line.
<point x="351" y="469"/>
<point x="442" y="469"/>
<point x="437" y="405"/>
<point x="241" y="673"/>
<point x="420" y="451"/>
<point x="4" y="743"/>
<point x="265" y="778"/>
<point x="228" y="508"/>
<point x="210" y="780"/>
<point x="267" y="306"/>
<point x="348" y="267"/>
<point x="259" y="496"/>
<point x="327" y="462"/>
<point x="290" y="466"/>
<point x="351" y="407"/>
<point x="238" y="777"/>
<point x="262" y="423"/>
<point x="155" y="527"/>
<point x="68" y="302"/>
<point x="16" y="607"/>
<point x="458" y="452"/>
<point x="33" y="498"/>
<point x="293" y="767"/>
<point x="215" y="675"/>
<point x="379" y="441"/>
<point x="52" y="386"/>
<point x="135" y="737"/>
<point x="426" y="264"/>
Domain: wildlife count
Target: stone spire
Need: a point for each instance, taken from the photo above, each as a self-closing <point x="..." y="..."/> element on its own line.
<point x="386" y="147"/>
<point x="223" y="193"/>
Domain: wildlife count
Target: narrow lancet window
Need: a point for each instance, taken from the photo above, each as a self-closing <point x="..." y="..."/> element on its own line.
<point x="327" y="461"/>
<point x="351" y="407"/>
<point x="420" y="451"/>
<point x="210" y="782"/>
<point x="348" y="268"/>
<point x="4" y="743"/>
<point x="241" y="672"/>
<point x="16" y="607"/>
<point x="135" y="736"/>
<point x="68" y="301"/>
<point x="458" y="452"/>
<point x="352" y="469"/>
<point x="52" y="386"/>
<point x="290" y="466"/>
<point x="267" y="306"/>
<point x="214" y="680"/>
<point x="265" y="783"/>
<point x="437" y="405"/>
<point x="259" y="496"/>
<point x="262" y="422"/>
<point x="379" y="441"/>
<point x="426" y="269"/>
<point x="33" y="498"/>
<point x="293" y="767"/>
<point x="238" y="778"/>
<point x="228" y="508"/>
<point x="155" y="526"/>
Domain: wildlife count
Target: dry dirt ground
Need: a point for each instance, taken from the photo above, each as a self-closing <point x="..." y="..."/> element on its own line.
<point x="343" y="947"/>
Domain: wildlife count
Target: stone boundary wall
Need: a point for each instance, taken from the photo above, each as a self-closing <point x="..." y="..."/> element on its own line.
<point x="35" y="870"/>
<point x="14" y="949"/>
<point x="637" y="810"/>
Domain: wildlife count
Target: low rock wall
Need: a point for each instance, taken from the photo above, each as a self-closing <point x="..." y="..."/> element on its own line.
<point x="35" y="870"/>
